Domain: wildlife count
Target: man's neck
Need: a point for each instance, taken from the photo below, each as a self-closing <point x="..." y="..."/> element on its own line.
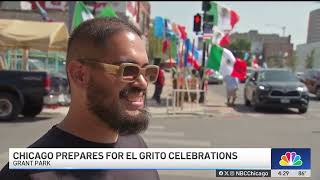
<point x="85" y="125"/>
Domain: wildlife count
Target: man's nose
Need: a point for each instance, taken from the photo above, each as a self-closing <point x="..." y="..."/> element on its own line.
<point x="141" y="82"/>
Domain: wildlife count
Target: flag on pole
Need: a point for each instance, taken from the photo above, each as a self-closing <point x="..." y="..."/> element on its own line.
<point x="183" y="33"/>
<point x="159" y="28"/>
<point x="175" y="29"/>
<point x="224" y="17"/>
<point x="165" y="45"/>
<point x="173" y="46"/>
<point x="81" y="14"/>
<point x="221" y="59"/>
<point x="225" y="41"/>
<point x="220" y="38"/>
<point x="187" y="49"/>
<point x="107" y="12"/>
<point x="240" y="69"/>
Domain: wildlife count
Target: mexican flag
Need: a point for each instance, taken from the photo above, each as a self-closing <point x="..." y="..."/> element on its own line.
<point x="222" y="60"/>
<point x="224" y="17"/>
<point x="220" y="38"/>
<point x="107" y="12"/>
<point x="81" y="14"/>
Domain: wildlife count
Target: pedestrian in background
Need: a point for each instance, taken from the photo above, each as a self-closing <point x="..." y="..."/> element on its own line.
<point x="194" y="84"/>
<point x="159" y="85"/>
<point x="232" y="85"/>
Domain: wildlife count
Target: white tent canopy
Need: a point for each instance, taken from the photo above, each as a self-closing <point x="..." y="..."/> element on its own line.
<point x="45" y="36"/>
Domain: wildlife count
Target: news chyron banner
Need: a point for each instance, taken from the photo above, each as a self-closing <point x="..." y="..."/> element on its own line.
<point x="226" y="162"/>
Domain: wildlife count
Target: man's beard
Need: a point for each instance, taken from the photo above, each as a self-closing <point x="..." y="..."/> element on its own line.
<point x="113" y="113"/>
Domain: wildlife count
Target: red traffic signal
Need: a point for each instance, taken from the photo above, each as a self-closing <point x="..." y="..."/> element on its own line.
<point x="197" y="23"/>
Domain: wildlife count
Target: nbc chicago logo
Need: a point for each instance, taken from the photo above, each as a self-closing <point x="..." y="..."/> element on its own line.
<point x="290" y="159"/>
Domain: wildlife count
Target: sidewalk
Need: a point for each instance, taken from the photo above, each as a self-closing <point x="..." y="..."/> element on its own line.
<point x="212" y="102"/>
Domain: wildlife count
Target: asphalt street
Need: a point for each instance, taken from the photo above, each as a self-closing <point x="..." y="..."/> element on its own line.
<point x="223" y="127"/>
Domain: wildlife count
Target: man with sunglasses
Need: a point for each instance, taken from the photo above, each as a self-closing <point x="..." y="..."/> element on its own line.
<point x="108" y="72"/>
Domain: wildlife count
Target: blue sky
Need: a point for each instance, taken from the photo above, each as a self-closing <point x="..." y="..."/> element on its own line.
<point x="253" y="15"/>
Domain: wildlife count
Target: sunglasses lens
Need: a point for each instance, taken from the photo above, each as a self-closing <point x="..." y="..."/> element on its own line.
<point x="152" y="74"/>
<point x="130" y="73"/>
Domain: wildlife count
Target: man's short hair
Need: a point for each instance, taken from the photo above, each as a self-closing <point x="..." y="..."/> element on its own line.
<point x="90" y="39"/>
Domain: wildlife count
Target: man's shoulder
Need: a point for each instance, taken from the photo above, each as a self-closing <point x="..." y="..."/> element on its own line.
<point x="49" y="140"/>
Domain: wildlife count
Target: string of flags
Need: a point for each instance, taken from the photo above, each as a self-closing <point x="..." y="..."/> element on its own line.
<point x="175" y="43"/>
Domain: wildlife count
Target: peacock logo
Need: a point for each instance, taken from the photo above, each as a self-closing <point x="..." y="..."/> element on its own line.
<point x="290" y="159"/>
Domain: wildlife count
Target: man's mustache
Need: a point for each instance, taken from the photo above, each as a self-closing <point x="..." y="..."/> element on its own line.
<point x="126" y="92"/>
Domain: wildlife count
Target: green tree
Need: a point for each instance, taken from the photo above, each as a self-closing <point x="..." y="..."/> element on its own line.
<point x="272" y="62"/>
<point x="310" y="60"/>
<point x="293" y="62"/>
<point x="239" y="47"/>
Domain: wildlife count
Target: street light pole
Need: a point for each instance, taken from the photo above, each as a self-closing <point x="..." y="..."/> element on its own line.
<point x="202" y="73"/>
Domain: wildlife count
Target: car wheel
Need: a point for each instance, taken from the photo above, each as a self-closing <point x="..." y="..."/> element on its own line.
<point x="303" y="110"/>
<point x="254" y="103"/>
<point x="10" y="107"/>
<point x="32" y="109"/>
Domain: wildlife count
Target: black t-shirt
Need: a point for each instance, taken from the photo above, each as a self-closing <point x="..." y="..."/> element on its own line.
<point x="57" y="138"/>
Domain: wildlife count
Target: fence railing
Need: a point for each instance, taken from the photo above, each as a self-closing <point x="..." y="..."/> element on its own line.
<point x="185" y="101"/>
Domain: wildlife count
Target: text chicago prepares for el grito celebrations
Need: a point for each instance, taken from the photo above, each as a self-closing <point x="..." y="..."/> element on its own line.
<point x="127" y="155"/>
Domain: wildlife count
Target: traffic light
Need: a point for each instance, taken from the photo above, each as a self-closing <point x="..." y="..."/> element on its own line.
<point x="197" y="23"/>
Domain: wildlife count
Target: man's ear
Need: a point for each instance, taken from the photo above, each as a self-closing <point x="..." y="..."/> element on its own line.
<point x="78" y="73"/>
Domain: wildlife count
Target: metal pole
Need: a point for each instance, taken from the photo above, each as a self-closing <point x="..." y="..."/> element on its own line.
<point x="201" y="99"/>
<point x="71" y="5"/>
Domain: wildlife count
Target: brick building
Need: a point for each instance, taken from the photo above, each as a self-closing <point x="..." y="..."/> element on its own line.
<point x="313" y="42"/>
<point x="314" y="27"/>
<point x="270" y="46"/>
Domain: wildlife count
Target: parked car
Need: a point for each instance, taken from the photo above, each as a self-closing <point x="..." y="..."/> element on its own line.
<point x="25" y="92"/>
<point x="59" y="93"/>
<point x="312" y="81"/>
<point x="215" y="78"/>
<point x="276" y="88"/>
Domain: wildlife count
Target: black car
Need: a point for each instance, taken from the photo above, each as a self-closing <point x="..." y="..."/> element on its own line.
<point x="312" y="81"/>
<point x="277" y="88"/>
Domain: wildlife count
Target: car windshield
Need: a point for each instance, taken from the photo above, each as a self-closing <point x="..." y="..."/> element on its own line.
<point x="282" y="76"/>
